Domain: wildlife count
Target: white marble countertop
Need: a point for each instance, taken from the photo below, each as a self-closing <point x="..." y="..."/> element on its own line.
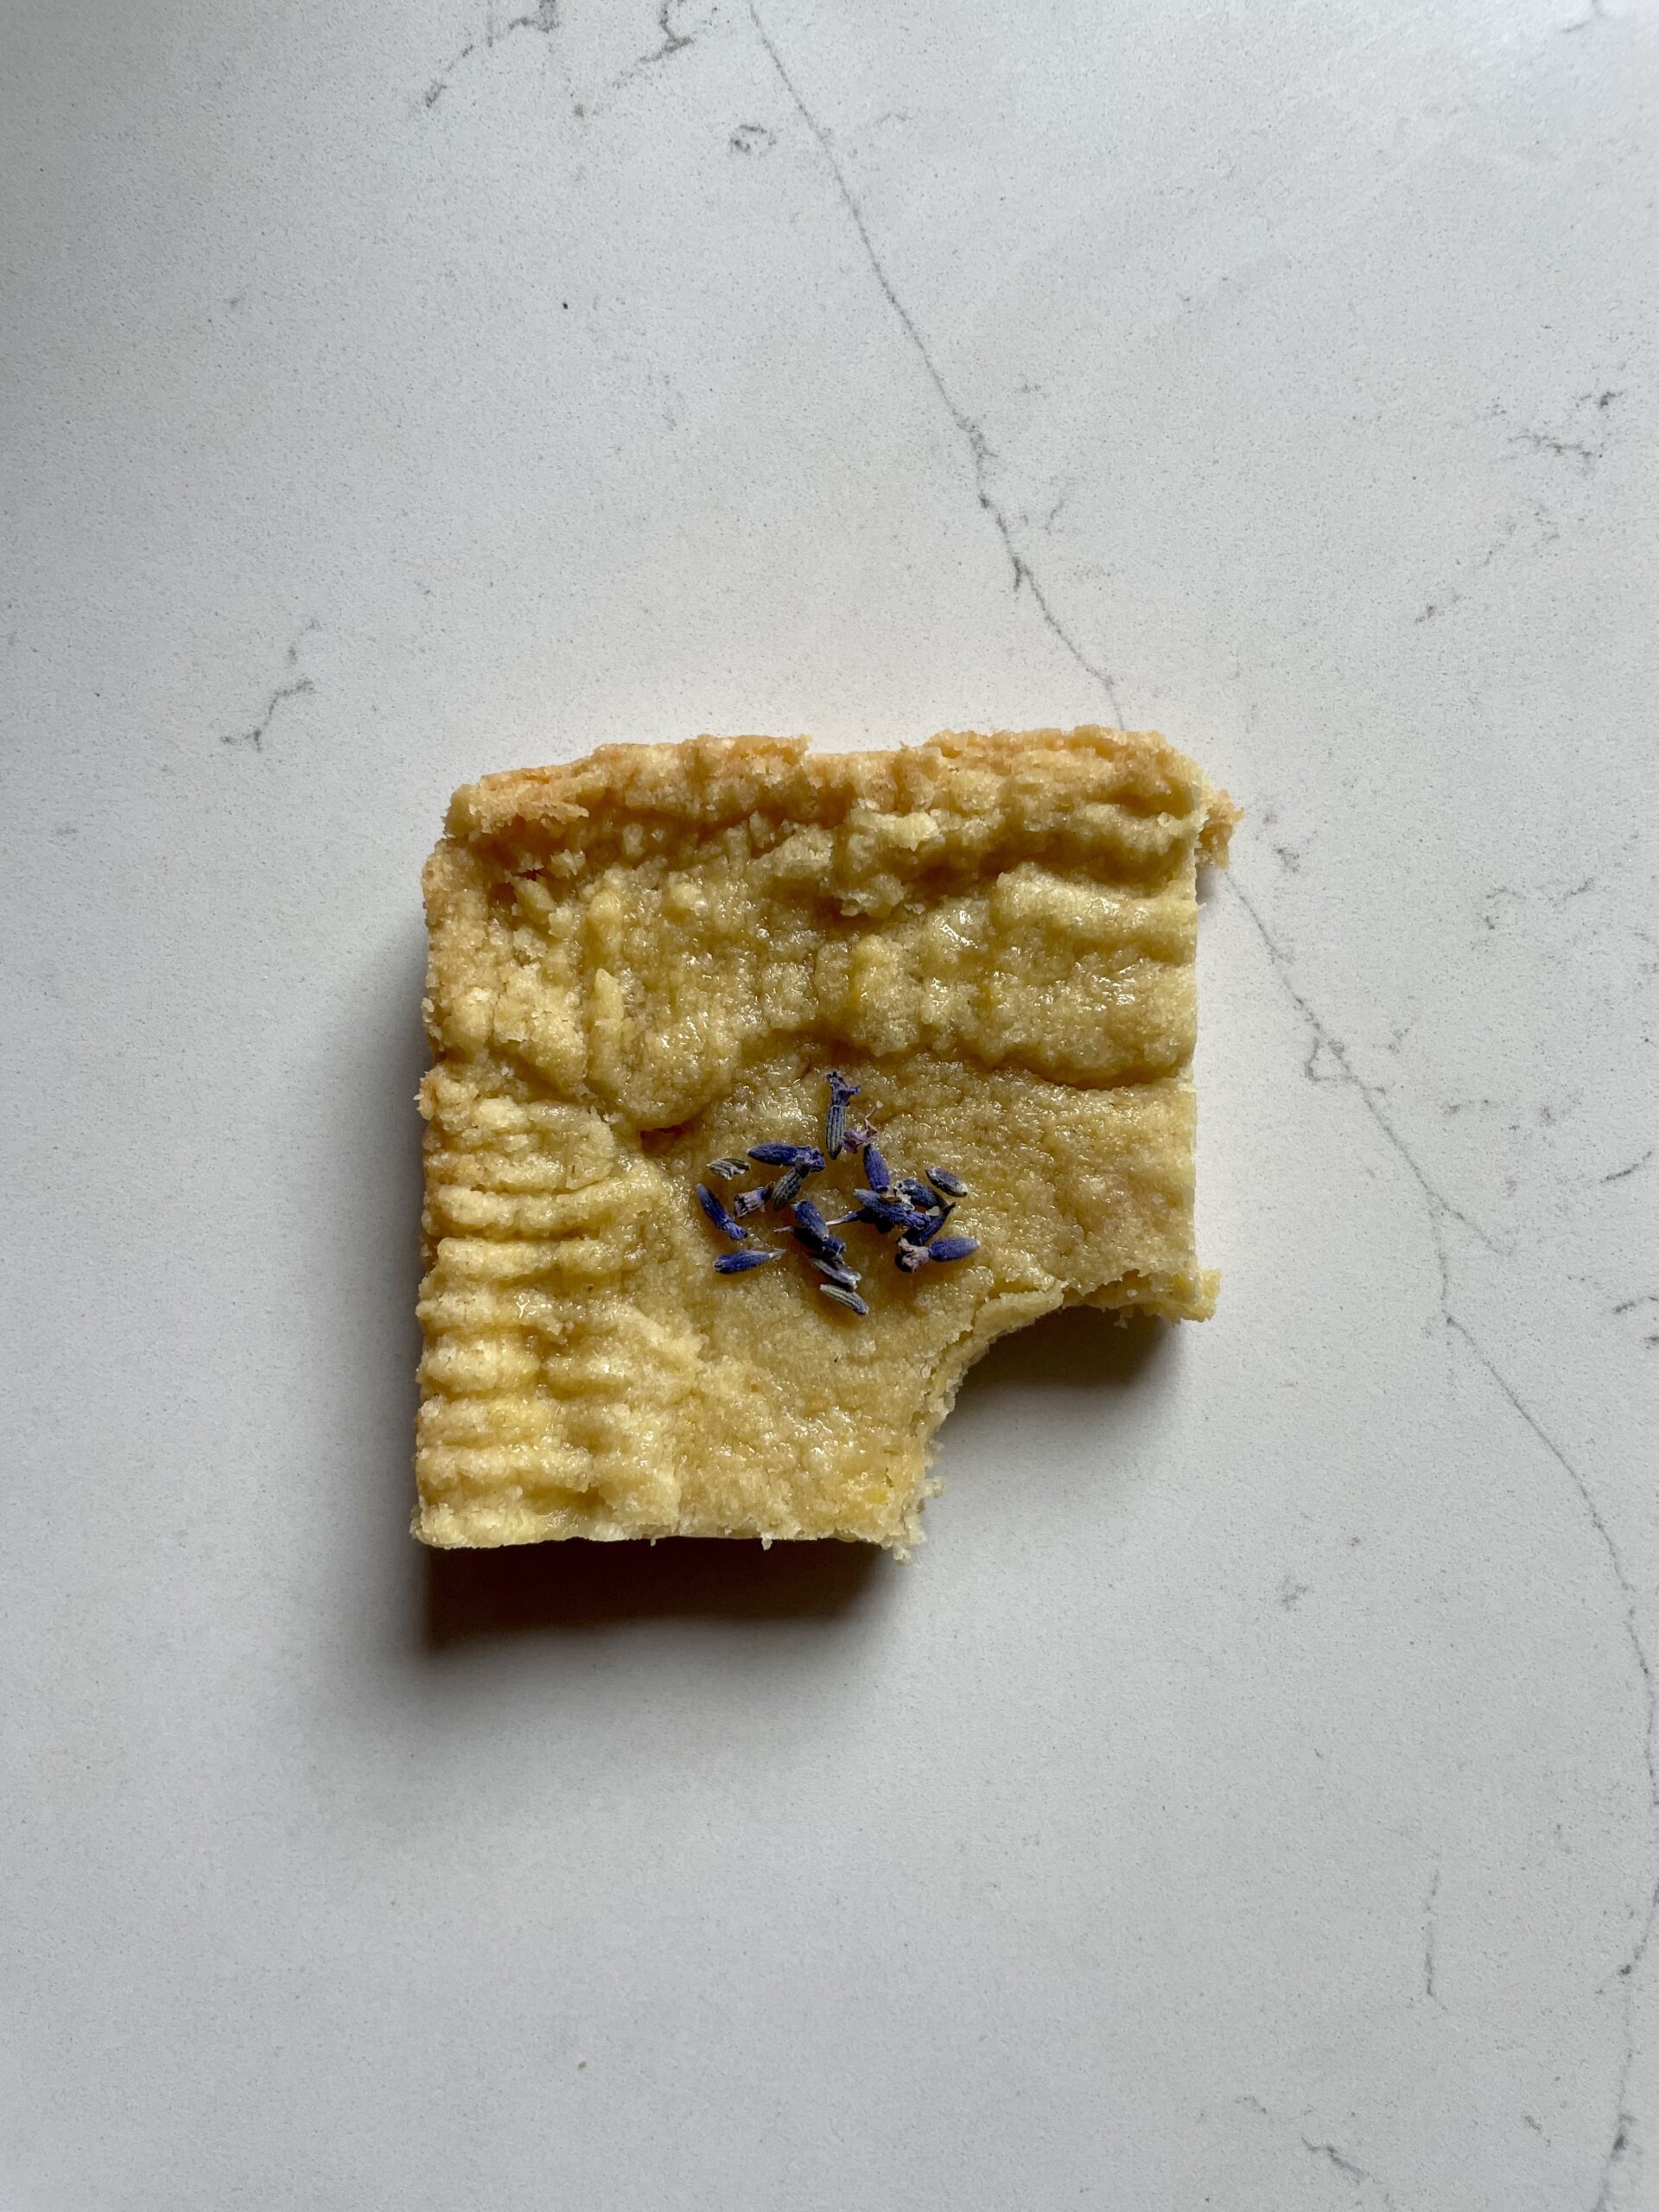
<point x="1249" y="1798"/>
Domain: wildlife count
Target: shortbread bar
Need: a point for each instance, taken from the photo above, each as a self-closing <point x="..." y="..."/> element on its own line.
<point x="946" y="993"/>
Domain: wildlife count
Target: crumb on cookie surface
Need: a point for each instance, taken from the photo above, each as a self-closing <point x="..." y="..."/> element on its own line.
<point x="648" y="959"/>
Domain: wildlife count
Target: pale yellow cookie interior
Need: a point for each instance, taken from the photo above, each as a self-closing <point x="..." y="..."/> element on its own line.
<point x="648" y="959"/>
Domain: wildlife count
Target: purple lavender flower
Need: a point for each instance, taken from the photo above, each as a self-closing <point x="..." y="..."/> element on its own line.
<point x="786" y="1189"/>
<point x="812" y="1229"/>
<point x="738" y="1263"/>
<point x="835" y="1120"/>
<point x="717" y="1213"/>
<point x="885" y="1213"/>
<point x="789" y="1155"/>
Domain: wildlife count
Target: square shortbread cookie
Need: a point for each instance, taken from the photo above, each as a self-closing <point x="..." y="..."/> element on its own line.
<point x="651" y="958"/>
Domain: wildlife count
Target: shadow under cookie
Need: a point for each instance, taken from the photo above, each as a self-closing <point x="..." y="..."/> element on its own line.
<point x="580" y="1585"/>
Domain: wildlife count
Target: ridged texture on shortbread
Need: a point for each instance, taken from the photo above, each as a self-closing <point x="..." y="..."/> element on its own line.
<point x="648" y="959"/>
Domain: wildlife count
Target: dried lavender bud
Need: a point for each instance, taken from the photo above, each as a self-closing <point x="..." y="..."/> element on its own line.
<point x="886" y="1212"/>
<point x="738" y="1263"/>
<point x="789" y="1184"/>
<point x="789" y="1155"/>
<point x="877" y="1174"/>
<point x="951" y="1248"/>
<point x="835" y="1120"/>
<point x="812" y="1227"/>
<point x="747" y="1202"/>
<point x="728" y="1170"/>
<point x="717" y="1213"/>
<point x="842" y="1296"/>
<point x="950" y="1187"/>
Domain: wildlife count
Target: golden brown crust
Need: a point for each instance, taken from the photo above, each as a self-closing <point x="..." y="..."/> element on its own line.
<point x="715" y="781"/>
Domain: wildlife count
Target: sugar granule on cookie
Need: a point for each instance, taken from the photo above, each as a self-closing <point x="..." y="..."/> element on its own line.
<point x="769" y="1088"/>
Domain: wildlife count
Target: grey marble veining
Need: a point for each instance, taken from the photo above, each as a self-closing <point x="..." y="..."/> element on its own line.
<point x="1249" y="1797"/>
